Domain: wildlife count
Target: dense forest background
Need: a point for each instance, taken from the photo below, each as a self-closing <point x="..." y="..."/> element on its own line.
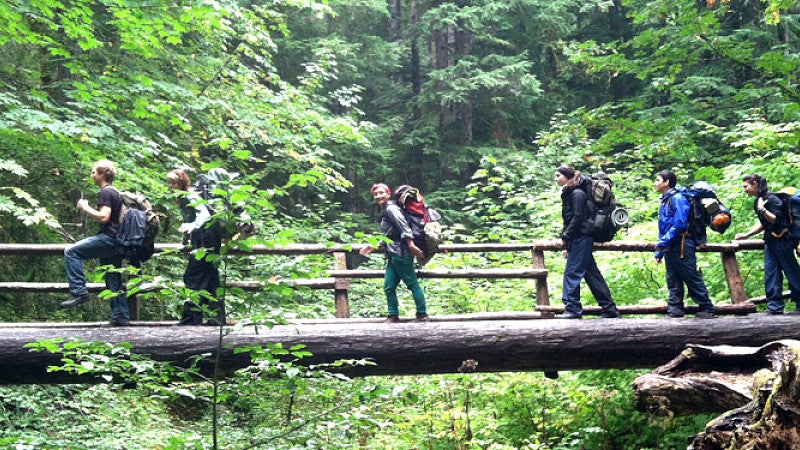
<point x="312" y="102"/>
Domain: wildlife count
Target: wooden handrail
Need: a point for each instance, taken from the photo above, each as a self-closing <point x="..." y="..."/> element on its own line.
<point x="339" y="277"/>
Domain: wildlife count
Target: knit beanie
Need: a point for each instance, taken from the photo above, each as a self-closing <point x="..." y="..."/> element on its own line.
<point x="568" y="172"/>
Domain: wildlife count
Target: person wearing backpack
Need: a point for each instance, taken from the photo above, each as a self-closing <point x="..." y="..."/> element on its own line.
<point x="103" y="246"/>
<point x="779" y="258"/>
<point x="676" y="246"/>
<point x="201" y="274"/>
<point x="399" y="255"/>
<point x="578" y="243"/>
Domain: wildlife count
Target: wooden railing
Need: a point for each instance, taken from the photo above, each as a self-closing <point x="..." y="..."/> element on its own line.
<point x="340" y="276"/>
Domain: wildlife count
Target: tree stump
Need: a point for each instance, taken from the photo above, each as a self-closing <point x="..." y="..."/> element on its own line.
<point x="759" y="386"/>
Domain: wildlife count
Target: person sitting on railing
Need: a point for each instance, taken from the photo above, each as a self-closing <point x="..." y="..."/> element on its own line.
<point x="676" y="246"/>
<point x="779" y="258"/>
<point x="103" y="245"/>
<point x="578" y="246"/>
<point x="202" y="274"/>
<point x="399" y="255"/>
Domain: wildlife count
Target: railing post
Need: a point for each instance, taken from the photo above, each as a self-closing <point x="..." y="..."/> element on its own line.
<point x="542" y="293"/>
<point x="733" y="276"/>
<point x="341" y="286"/>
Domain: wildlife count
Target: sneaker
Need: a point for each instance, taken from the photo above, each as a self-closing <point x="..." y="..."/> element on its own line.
<point x="609" y="315"/>
<point x="704" y="315"/>
<point x="567" y="315"/>
<point x="392" y="318"/>
<point x="422" y="317"/>
<point x="75" y="300"/>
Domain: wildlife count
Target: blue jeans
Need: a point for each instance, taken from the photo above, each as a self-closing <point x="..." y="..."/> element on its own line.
<point x="402" y="268"/>
<point x="683" y="271"/>
<point x="779" y="259"/>
<point x="105" y="248"/>
<point x="581" y="265"/>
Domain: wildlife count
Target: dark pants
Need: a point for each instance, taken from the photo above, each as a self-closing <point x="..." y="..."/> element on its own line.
<point x="203" y="275"/>
<point x="779" y="259"/>
<point x="106" y="249"/>
<point x="581" y="265"/>
<point x="682" y="270"/>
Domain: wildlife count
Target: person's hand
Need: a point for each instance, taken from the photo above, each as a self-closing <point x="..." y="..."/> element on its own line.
<point x="82" y="204"/>
<point x="416" y="250"/>
<point x="761" y="204"/>
<point x="186" y="228"/>
<point x="659" y="259"/>
<point x="367" y="250"/>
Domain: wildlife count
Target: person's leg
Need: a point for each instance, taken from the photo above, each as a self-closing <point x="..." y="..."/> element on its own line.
<point x="405" y="269"/>
<point x="687" y="271"/>
<point x="599" y="288"/>
<point x="784" y="252"/>
<point x="773" y="278"/>
<point x="675" y="306"/>
<point x="574" y="271"/>
<point x="120" y="315"/>
<point x="89" y="248"/>
<point x="390" y="282"/>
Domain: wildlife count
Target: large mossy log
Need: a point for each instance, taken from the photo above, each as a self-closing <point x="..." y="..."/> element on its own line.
<point x="439" y="346"/>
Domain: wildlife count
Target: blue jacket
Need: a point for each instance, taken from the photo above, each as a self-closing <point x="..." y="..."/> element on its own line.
<point x="673" y="219"/>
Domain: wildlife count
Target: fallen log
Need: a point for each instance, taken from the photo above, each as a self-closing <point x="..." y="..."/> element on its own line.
<point x="737" y="309"/>
<point x="439" y="346"/>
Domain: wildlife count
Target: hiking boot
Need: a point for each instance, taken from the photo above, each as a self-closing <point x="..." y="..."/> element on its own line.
<point x="392" y="318"/>
<point x="118" y="323"/>
<point x="75" y="300"/>
<point x="567" y="315"/>
<point x="704" y="315"/>
<point x="609" y="315"/>
<point x="676" y="314"/>
<point x="422" y="317"/>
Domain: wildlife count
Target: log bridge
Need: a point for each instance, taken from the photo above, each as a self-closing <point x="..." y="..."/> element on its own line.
<point x="439" y="346"/>
<point x="488" y="342"/>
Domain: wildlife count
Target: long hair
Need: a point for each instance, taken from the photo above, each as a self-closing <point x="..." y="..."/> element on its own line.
<point x="760" y="181"/>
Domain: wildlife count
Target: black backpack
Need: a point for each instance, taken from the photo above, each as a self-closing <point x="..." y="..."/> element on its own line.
<point x="606" y="216"/>
<point x="206" y="185"/>
<point x="790" y="197"/>
<point x="137" y="228"/>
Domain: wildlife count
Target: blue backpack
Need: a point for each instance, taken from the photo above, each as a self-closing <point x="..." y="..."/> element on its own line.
<point x="707" y="211"/>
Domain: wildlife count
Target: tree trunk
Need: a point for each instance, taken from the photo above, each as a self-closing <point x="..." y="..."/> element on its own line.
<point x="771" y="420"/>
<point x="439" y="346"/>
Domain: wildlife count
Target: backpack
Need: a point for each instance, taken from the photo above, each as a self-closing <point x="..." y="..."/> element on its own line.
<point x="137" y="227"/>
<point x="606" y="215"/>
<point x="706" y="211"/>
<point x="205" y="185"/>
<point x="790" y="197"/>
<point x="425" y="222"/>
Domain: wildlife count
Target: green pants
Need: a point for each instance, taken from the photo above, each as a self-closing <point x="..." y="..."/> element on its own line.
<point x="402" y="268"/>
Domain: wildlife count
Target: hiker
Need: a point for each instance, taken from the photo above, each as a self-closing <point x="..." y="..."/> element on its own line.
<point x="103" y="246"/>
<point x="399" y="255"/>
<point x="779" y="258"/>
<point x="578" y="245"/>
<point x="201" y="274"/>
<point x="676" y="246"/>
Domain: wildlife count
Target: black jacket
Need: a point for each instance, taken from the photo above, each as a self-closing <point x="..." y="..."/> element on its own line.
<point x="575" y="212"/>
